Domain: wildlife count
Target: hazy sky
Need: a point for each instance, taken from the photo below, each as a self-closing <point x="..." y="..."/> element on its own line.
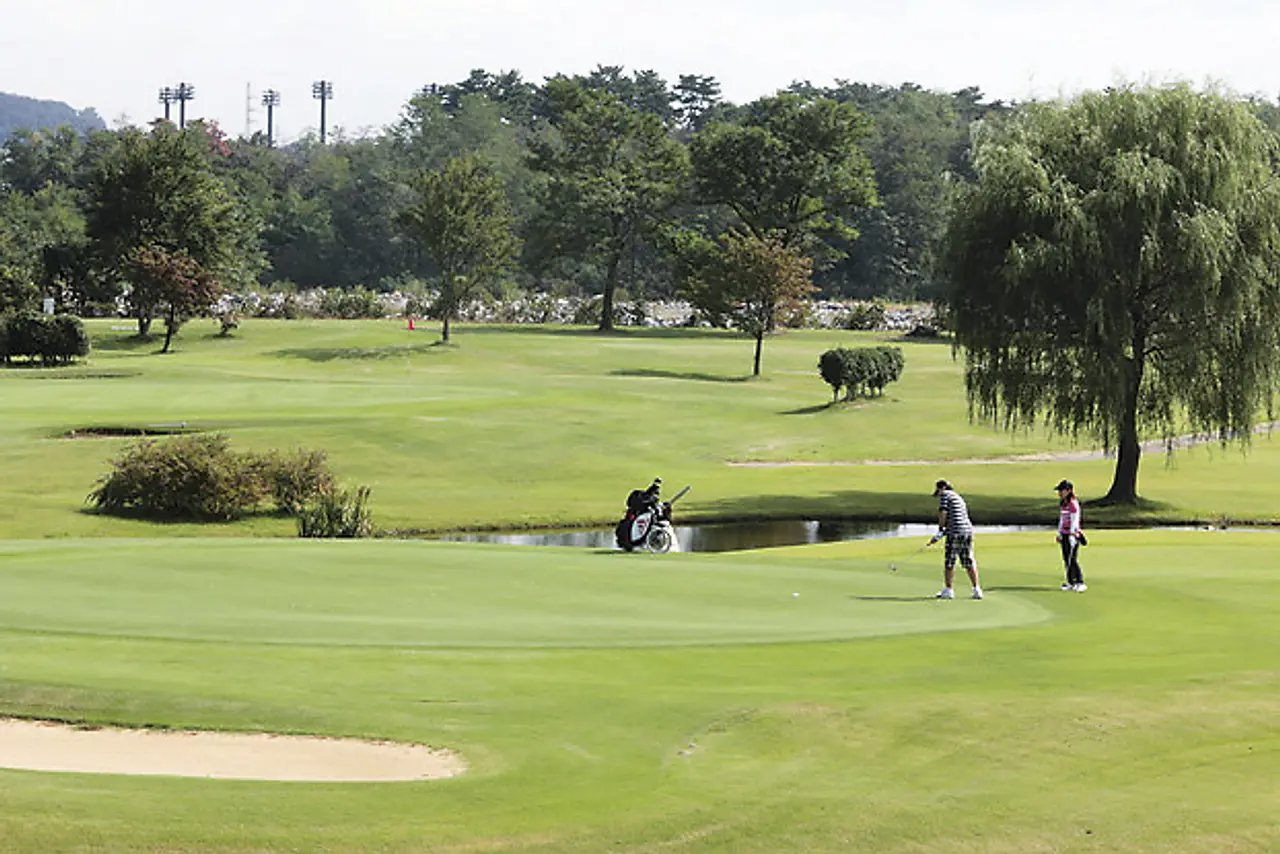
<point x="114" y="55"/>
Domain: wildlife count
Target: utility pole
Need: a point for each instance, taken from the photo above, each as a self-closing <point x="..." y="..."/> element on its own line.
<point x="185" y="92"/>
<point x="270" y="100"/>
<point x="248" y="110"/>
<point x="322" y="90"/>
<point x="167" y="97"/>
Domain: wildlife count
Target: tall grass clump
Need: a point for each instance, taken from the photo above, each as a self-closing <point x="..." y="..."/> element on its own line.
<point x="337" y="514"/>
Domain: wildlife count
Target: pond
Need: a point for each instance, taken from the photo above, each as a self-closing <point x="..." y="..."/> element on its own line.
<point x="731" y="537"/>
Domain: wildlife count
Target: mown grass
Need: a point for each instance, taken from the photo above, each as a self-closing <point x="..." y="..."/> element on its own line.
<point x="687" y="703"/>
<point x="611" y="702"/>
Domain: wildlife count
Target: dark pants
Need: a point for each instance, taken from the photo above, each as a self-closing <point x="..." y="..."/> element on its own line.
<point x="1070" y="553"/>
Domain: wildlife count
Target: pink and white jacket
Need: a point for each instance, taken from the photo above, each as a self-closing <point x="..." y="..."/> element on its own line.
<point x="1069" y="522"/>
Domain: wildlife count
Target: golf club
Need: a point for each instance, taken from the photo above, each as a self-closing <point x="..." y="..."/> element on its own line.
<point x="893" y="567"/>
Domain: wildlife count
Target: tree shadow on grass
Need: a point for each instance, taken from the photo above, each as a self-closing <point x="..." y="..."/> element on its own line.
<point x="681" y="375"/>
<point x="336" y="354"/>
<point x="921" y="507"/>
<point x="808" y="410"/>
<point x="131" y="343"/>
<point x="621" y="333"/>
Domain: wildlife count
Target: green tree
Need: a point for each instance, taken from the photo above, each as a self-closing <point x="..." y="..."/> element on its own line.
<point x="1113" y="269"/>
<point x="793" y="169"/>
<point x="463" y="222"/>
<point x="158" y="190"/>
<point x="746" y="282"/>
<point x="612" y="174"/>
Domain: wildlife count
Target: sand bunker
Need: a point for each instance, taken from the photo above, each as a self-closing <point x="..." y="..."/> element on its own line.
<point x="33" y="746"/>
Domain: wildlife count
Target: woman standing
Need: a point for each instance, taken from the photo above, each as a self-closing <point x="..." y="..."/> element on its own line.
<point x="1070" y="537"/>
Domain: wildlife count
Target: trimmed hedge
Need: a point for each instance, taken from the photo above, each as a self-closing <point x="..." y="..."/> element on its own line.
<point x="864" y="371"/>
<point x="51" y="339"/>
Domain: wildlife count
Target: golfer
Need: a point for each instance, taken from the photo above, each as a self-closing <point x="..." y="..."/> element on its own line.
<point x="1070" y="537"/>
<point x="954" y="524"/>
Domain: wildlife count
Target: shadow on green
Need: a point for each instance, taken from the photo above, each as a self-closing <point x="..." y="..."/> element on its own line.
<point x="680" y="375"/>
<point x="335" y="354"/>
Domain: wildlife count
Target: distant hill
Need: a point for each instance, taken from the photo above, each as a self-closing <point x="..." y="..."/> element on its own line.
<point x="18" y="112"/>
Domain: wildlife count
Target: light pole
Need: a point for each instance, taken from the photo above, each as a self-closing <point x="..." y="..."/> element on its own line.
<point x="322" y="90"/>
<point x="185" y="92"/>
<point x="167" y="97"/>
<point x="270" y="100"/>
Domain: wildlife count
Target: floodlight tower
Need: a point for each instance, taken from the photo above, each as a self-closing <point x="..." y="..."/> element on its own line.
<point x="183" y="93"/>
<point x="167" y="97"/>
<point x="322" y="90"/>
<point x="270" y="100"/>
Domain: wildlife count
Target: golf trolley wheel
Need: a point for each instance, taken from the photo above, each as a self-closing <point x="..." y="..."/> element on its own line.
<point x="660" y="540"/>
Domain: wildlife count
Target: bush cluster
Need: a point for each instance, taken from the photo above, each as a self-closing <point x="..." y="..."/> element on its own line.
<point x="199" y="478"/>
<point x="866" y="316"/>
<point x="52" y="339"/>
<point x="862" y="371"/>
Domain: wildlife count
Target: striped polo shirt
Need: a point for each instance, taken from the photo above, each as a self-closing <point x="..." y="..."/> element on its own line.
<point x="958" y="524"/>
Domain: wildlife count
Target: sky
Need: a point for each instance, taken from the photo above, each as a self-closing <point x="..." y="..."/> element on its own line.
<point x="115" y="55"/>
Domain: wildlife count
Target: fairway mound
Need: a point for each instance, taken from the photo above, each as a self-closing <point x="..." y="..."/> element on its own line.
<point x="40" y="746"/>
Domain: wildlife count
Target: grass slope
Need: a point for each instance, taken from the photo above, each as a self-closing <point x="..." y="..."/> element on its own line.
<point x="545" y="427"/>
<point x="692" y="708"/>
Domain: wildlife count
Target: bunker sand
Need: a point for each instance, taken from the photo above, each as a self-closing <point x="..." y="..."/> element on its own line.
<point x="36" y="746"/>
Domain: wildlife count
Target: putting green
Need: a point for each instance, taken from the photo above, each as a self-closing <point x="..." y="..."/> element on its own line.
<point x="414" y="594"/>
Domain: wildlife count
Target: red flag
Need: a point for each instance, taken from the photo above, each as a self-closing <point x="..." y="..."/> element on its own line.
<point x="411" y="324"/>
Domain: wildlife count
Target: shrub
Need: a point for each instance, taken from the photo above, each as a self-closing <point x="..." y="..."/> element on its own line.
<point x="866" y="370"/>
<point x="198" y="478"/>
<point x="53" y="339"/>
<point x="69" y="338"/>
<point x="194" y="478"/>
<point x="865" y="316"/>
<point x="831" y="367"/>
<point x="337" y="514"/>
<point x="353" y="304"/>
<point x="294" y="479"/>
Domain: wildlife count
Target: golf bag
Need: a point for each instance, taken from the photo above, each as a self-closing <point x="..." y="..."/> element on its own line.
<point x="647" y="523"/>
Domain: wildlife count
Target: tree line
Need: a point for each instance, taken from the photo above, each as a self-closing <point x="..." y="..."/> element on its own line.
<point x="605" y="178"/>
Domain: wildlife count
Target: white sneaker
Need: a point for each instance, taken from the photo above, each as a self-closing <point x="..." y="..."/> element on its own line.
<point x="1067" y="586"/>
<point x="946" y="593"/>
<point x="977" y="593"/>
<point x="1080" y="588"/>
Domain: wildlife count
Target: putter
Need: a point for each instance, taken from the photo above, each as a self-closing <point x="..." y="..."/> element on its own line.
<point x="893" y="567"/>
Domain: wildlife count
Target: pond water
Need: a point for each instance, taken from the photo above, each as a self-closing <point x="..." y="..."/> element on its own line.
<point x="731" y="537"/>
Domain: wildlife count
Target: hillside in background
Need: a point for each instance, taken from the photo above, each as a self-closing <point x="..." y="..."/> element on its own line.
<point x="18" y="112"/>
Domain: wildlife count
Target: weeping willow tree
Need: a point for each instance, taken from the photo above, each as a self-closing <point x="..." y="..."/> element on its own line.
<point x="1114" y="271"/>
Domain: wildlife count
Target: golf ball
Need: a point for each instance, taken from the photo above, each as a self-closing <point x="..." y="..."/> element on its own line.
<point x="795" y="594"/>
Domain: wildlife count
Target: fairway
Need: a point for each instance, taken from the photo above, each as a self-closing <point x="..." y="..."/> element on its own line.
<point x="604" y="701"/>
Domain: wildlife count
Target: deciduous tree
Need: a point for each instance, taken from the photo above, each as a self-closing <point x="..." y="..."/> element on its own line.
<point x="1115" y="269"/>
<point x="463" y="222"/>
<point x="611" y="175"/>
<point x="746" y="282"/>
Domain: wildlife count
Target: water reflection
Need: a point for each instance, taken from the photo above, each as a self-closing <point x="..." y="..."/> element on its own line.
<point x="736" y="536"/>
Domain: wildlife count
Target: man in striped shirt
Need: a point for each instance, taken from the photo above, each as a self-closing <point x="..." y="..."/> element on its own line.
<point x="954" y="524"/>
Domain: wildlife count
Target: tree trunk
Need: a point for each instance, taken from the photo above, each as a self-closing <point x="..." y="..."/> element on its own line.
<point x="144" y="325"/>
<point x="1124" y="484"/>
<point x="170" y="323"/>
<point x="610" y="285"/>
<point x="759" y="347"/>
<point x="444" y="329"/>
